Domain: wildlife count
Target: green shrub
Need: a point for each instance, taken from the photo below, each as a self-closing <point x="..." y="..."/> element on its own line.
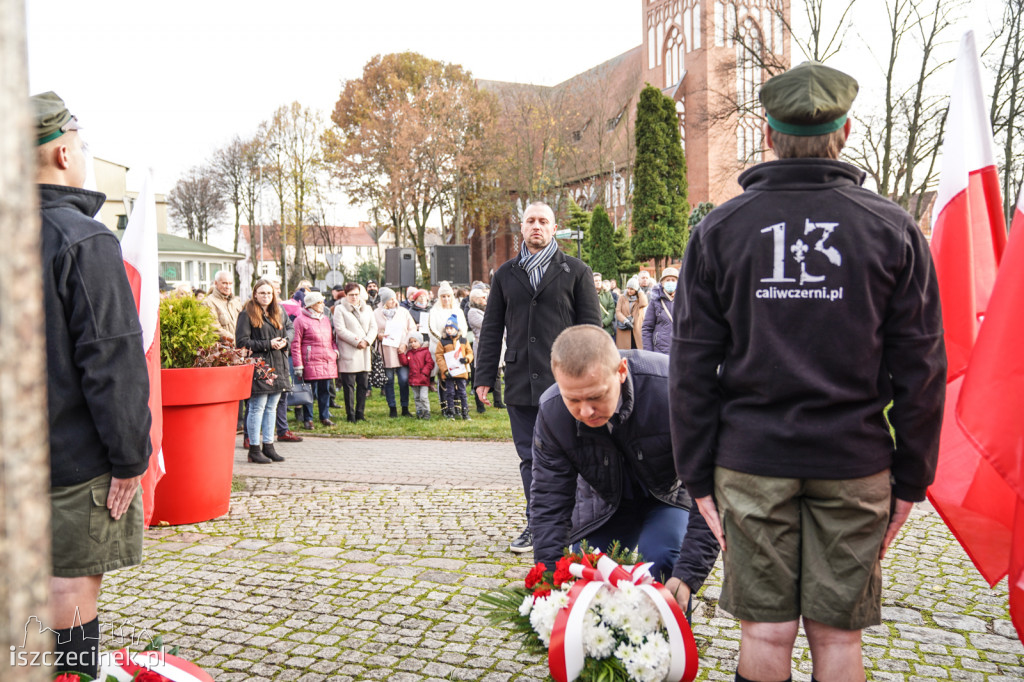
<point x="186" y="325"/>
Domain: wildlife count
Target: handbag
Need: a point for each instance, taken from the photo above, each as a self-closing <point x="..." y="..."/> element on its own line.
<point x="378" y="377"/>
<point x="301" y="394"/>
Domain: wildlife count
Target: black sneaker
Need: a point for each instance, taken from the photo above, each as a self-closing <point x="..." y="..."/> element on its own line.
<point x="523" y="543"/>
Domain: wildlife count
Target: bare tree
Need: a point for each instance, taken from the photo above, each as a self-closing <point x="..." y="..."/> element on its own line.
<point x="899" y="146"/>
<point x="196" y="203"/>
<point x="1007" y="113"/>
<point x="292" y="137"/>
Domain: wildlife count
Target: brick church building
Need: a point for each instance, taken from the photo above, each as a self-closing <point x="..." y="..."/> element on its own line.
<point x="708" y="55"/>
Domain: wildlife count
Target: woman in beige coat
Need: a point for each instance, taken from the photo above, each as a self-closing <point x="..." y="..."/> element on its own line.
<point x="400" y="320"/>
<point x="629" y="316"/>
<point x="356" y="329"/>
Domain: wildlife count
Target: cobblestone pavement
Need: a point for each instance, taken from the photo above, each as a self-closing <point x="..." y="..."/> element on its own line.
<point x="363" y="560"/>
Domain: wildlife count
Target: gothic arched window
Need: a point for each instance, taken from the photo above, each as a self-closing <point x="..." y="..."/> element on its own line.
<point x="749" y="56"/>
<point x="674" y="51"/>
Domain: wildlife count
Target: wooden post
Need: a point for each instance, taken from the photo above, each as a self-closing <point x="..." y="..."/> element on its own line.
<point x="24" y="459"/>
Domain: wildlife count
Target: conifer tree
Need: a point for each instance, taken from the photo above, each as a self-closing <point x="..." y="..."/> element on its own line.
<point x="579" y="221"/>
<point x="676" y="188"/>
<point x="601" y="244"/>
<point x="651" y="205"/>
<point x="627" y="264"/>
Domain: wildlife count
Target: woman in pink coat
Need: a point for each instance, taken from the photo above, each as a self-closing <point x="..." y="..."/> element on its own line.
<point x="315" y="355"/>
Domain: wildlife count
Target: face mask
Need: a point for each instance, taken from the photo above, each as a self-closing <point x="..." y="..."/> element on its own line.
<point x="669" y="287"/>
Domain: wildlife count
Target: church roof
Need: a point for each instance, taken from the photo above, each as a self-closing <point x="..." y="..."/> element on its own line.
<point x="596" y="110"/>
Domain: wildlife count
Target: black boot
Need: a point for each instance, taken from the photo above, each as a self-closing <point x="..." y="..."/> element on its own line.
<point x="269" y="451"/>
<point x="360" y="417"/>
<point x="480" y="407"/>
<point x="406" y="412"/>
<point x="393" y="412"/>
<point x="256" y="456"/>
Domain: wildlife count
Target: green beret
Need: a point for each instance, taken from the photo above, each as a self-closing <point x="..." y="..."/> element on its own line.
<point x="809" y="99"/>
<point x="52" y="117"/>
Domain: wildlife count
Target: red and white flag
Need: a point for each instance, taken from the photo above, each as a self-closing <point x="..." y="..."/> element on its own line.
<point x="968" y="241"/>
<point x="991" y="409"/>
<point x="139" y="250"/>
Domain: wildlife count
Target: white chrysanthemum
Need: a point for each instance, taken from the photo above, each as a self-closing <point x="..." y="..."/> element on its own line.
<point x="558" y="600"/>
<point x="642" y="664"/>
<point x="598" y="641"/>
<point x="653" y="658"/>
<point x="614" y="612"/>
<point x="542" y="618"/>
<point x="526" y="606"/>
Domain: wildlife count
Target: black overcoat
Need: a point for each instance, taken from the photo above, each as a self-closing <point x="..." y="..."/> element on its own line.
<point x="532" y="319"/>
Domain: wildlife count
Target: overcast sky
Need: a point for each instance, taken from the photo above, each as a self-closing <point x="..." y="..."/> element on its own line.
<point x="162" y="84"/>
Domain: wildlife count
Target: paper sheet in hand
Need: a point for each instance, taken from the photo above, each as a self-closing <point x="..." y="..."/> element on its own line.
<point x="453" y="359"/>
<point x="393" y="333"/>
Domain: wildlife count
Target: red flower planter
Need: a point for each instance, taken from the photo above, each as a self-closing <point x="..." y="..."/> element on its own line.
<point x="200" y="411"/>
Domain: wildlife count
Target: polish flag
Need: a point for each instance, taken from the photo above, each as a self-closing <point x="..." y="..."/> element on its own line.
<point x="991" y="409"/>
<point x="968" y="240"/>
<point x="139" y="251"/>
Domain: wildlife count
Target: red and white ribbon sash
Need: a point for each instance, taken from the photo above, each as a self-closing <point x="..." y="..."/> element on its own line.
<point x="566" y="652"/>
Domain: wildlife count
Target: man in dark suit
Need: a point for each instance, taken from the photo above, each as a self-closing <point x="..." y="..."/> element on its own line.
<point x="534" y="296"/>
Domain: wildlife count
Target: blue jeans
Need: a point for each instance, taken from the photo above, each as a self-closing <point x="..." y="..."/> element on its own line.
<point x="403" y="385"/>
<point x="322" y="395"/>
<point x="262" y="412"/>
<point x="656" y="528"/>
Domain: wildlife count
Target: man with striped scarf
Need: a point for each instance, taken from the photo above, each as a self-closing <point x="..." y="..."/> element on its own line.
<point x="534" y="296"/>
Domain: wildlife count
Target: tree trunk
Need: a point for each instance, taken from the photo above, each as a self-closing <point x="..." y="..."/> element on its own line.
<point x="24" y="466"/>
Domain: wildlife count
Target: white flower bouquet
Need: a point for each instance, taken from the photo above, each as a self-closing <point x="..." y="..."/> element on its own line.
<point x="598" y="620"/>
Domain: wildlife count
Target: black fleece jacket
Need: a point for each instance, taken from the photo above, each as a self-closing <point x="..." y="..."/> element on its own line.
<point x="97" y="382"/>
<point x="806" y="305"/>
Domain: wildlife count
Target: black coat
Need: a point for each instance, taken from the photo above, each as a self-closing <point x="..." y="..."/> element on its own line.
<point x="257" y="339"/>
<point x="565" y="297"/>
<point x="563" y="510"/>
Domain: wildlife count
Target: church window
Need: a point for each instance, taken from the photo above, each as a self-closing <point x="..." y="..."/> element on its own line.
<point x="673" y="57"/>
<point x="749" y="53"/>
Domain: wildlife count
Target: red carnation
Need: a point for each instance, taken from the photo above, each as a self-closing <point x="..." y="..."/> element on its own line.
<point x="562" y="574"/>
<point x="67" y="677"/>
<point x="535" y="575"/>
<point x="149" y="676"/>
<point x="544" y="591"/>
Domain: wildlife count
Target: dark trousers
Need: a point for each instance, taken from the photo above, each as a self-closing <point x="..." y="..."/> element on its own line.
<point x="355" y="385"/>
<point x="455" y="390"/>
<point x="654" y="527"/>
<point x="282" y="406"/>
<point x="522" y="419"/>
<point x="322" y="395"/>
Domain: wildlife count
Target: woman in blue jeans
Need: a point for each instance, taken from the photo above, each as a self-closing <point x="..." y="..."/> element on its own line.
<point x="263" y="328"/>
<point x="392" y="317"/>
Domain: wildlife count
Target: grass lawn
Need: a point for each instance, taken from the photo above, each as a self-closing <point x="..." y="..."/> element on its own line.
<point x="491" y="425"/>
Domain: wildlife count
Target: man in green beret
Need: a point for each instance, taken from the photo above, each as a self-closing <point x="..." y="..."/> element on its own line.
<point x="97" y="390"/>
<point x="806" y="306"/>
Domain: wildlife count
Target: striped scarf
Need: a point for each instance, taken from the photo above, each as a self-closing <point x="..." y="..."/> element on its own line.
<point x="536" y="264"/>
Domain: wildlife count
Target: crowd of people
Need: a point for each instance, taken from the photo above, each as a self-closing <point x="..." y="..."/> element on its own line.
<point x="352" y="339"/>
<point x="726" y="407"/>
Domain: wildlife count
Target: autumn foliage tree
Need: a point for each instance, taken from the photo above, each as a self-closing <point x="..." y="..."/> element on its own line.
<point x="409" y="133"/>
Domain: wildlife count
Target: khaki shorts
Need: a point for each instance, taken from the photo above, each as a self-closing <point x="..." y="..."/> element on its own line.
<point x="803" y="547"/>
<point x="86" y="540"/>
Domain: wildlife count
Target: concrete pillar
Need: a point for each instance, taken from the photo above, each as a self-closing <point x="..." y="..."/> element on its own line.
<point x="24" y="466"/>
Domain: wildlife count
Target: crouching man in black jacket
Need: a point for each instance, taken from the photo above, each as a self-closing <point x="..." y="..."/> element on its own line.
<point x="602" y="462"/>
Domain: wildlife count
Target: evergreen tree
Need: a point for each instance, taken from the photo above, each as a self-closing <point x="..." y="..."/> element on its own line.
<point x="651" y="204"/>
<point x="696" y="215"/>
<point x="627" y="264"/>
<point x="601" y="244"/>
<point x="579" y="220"/>
<point x="675" y="180"/>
